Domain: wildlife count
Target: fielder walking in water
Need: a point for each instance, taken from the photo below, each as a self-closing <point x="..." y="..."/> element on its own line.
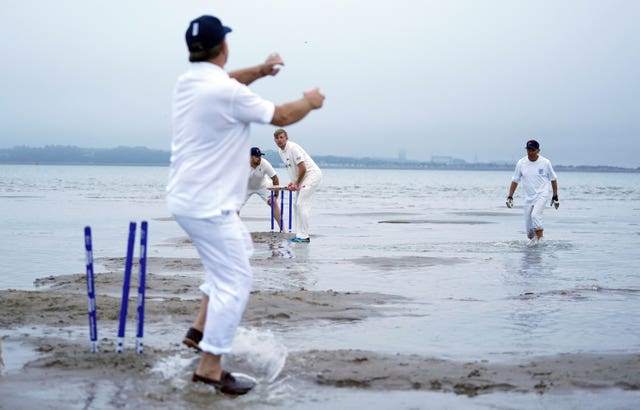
<point x="305" y="178"/>
<point x="534" y="172"/>
<point x="212" y="113"/>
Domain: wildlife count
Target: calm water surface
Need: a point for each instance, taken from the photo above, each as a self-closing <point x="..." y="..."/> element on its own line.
<point x="442" y="239"/>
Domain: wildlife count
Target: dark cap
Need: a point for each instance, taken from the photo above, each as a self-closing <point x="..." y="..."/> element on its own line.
<point x="204" y="33"/>
<point x="532" y="144"/>
<point x="255" y="151"/>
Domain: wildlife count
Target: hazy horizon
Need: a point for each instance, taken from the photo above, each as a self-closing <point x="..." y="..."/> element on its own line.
<point x="467" y="79"/>
<point x="273" y="153"/>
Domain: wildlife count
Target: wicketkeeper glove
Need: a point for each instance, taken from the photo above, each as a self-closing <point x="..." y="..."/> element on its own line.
<point x="554" y="201"/>
<point x="509" y="202"/>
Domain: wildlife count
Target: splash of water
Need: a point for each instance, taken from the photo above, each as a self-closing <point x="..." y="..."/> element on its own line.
<point x="257" y="352"/>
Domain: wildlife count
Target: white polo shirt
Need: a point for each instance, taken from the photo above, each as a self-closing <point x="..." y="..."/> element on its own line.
<point x="535" y="177"/>
<point x="292" y="155"/>
<point x="212" y="114"/>
<point x="258" y="175"/>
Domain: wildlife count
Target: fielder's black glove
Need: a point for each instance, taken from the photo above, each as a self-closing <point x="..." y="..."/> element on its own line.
<point x="509" y="202"/>
<point x="554" y="202"/>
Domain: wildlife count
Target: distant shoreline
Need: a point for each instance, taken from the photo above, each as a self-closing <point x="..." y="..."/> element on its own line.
<point x="469" y="167"/>
<point x="142" y="156"/>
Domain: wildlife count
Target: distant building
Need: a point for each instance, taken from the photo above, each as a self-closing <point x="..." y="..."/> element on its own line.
<point x="446" y="160"/>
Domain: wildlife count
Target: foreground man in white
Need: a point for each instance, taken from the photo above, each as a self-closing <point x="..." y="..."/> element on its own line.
<point x="212" y="112"/>
<point x="535" y="172"/>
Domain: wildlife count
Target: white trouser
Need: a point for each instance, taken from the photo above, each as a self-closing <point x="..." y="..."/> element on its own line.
<point x="261" y="192"/>
<point x="303" y="203"/>
<point x="224" y="246"/>
<point x="533" y="214"/>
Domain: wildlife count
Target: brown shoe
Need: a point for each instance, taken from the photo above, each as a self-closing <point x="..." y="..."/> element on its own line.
<point x="193" y="337"/>
<point x="228" y="384"/>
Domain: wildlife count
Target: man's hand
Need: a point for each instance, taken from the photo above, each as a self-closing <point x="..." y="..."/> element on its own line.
<point x="272" y="64"/>
<point x="314" y="98"/>
<point x="554" y="201"/>
<point x="509" y="202"/>
<point x="292" y="187"/>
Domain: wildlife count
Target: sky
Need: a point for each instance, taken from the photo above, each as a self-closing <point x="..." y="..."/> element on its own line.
<point x="470" y="79"/>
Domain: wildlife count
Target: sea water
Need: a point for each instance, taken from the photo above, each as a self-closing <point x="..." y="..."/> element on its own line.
<point x="444" y="240"/>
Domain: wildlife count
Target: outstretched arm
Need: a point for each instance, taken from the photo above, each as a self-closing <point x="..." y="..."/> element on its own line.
<point x="271" y="66"/>
<point x="289" y="113"/>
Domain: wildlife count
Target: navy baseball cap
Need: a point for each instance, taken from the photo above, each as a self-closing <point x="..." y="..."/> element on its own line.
<point x="532" y="144"/>
<point x="204" y="33"/>
<point x="255" y="151"/>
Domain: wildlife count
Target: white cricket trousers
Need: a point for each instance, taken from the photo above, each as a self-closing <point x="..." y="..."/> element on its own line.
<point x="533" y="214"/>
<point x="224" y="246"/>
<point x="304" y="197"/>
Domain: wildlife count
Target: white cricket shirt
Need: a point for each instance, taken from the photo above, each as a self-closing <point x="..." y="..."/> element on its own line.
<point x="292" y="155"/>
<point x="258" y="175"/>
<point x="212" y="114"/>
<point x="535" y="177"/>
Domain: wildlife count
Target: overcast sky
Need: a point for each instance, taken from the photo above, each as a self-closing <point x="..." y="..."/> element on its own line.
<point x="471" y="79"/>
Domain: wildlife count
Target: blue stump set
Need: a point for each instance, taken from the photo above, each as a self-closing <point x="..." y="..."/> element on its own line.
<point x="91" y="294"/>
<point x="273" y="189"/>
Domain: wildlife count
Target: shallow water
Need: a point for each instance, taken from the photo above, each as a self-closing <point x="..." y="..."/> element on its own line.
<point x="442" y="239"/>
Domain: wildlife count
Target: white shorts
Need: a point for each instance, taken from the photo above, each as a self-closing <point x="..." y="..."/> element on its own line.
<point x="224" y="246"/>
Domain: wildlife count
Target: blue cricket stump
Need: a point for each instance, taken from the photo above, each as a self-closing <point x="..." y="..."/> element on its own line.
<point x="91" y="291"/>
<point x="290" y="207"/>
<point x="281" y="189"/>
<point x="91" y="294"/>
<point x="141" y="286"/>
<point x="125" y="287"/>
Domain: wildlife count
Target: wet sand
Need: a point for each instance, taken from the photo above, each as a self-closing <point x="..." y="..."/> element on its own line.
<point x="51" y="323"/>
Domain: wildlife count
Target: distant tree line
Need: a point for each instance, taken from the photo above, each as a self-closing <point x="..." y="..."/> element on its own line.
<point x="66" y="154"/>
<point x="72" y="155"/>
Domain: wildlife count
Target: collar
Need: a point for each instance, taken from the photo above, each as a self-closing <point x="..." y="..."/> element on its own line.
<point x="207" y="67"/>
